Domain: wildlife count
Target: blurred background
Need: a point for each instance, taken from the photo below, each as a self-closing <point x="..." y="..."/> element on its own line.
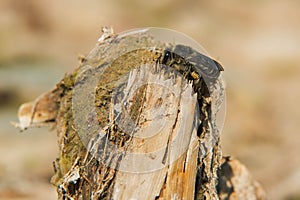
<point x="258" y="43"/>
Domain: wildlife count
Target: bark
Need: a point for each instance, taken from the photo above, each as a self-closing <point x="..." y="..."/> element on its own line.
<point x="130" y="129"/>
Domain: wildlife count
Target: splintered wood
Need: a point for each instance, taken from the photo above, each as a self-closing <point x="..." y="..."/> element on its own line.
<point x="159" y="161"/>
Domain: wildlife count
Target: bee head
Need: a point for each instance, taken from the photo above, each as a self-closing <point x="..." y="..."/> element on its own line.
<point x="167" y="56"/>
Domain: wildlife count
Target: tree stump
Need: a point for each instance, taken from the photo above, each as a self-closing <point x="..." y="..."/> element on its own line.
<point x="130" y="128"/>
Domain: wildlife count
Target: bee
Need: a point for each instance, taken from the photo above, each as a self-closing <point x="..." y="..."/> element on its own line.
<point x="181" y="65"/>
<point x="194" y="66"/>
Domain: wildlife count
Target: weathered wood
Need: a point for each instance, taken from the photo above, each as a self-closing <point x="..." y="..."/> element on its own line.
<point x="156" y="142"/>
<point x="235" y="182"/>
<point x="145" y="137"/>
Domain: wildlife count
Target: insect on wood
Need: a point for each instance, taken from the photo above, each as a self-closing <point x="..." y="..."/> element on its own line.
<point x="194" y="66"/>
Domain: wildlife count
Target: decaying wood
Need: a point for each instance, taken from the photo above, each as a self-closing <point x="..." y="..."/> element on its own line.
<point x="235" y="181"/>
<point x="160" y="154"/>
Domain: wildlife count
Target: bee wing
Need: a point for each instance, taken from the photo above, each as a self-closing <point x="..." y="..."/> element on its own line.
<point x="207" y="67"/>
<point x="204" y="65"/>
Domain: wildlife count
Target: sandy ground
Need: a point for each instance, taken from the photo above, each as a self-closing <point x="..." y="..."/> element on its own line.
<point x="257" y="42"/>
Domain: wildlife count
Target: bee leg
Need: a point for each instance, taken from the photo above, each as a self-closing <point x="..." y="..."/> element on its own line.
<point x="196" y="84"/>
<point x="186" y="72"/>
<point x="176" y="67"/>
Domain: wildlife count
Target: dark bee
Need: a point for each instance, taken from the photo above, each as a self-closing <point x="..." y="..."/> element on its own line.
<point x="204" y="65"/>
<point x="177" y="62"/>
<point x="195" y="67"/>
